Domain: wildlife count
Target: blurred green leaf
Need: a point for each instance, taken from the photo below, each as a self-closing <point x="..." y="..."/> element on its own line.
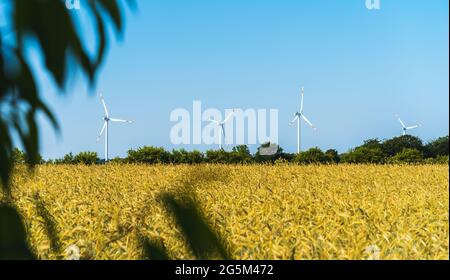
<point x="53" y="27"/>
<point x="13" y="238"/>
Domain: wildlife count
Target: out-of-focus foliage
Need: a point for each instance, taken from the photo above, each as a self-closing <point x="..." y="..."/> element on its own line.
<point x="13" y="237"/>
<point x="53" y="28"/>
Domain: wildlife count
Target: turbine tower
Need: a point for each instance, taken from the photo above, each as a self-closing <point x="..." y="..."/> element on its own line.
<point x="222" y="127"/>
<point x="298" y="116"/>
<point x="106" y="119"/>
<point x="404" y="127"/>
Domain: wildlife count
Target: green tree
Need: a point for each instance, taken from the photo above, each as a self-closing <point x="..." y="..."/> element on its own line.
<point x="217" y="156"/>
<point x="87" y="158"/>
<point x="185" y="157"/>
<point x="395" y="145"/>
<point x="195" y="157"/>
<point x="313" y="155"/>
<point x="179" y="156"/>
<point x="438" y="147"/>
<point x="241" y="154"/>
<point x="363" y="155"/>
<point x="67" y="159"/>
<point x="407" y="156"/>
<point x="332" y="156"/>
<point x="116" y="160"/>
<point x="18" y="156"/>
<point x="149" y="155"/>
<point x="373" y="143"/>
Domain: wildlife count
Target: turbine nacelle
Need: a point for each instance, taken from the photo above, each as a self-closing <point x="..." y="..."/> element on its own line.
<point x="404" y="127"/>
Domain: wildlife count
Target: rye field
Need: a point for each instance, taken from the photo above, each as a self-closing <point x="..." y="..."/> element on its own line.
<point x="260" y="211"/>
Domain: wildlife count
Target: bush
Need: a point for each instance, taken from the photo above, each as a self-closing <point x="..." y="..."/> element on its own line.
<point x="407" y="156"/>
<point x="313" y="155"/>
<point x="18" y="156"/>
<point x="67" y="159"/>
<point x="116" y="160"/>
<point x="364" y="155"/>
<point x="240" y="154"/>
<point x="184" y="157"/>
<point x="332" y="156"/>
<point x="87" y="158"/>
<point x="372" y="144"/>
<point x="195" y="157"/>
<point x="438" y="160"/>
<point x="395" y="145"/>
<point x="442" y="159"/>
<point x="438" y="147"/>
<point x="217" y="156"/>
<point x="148" y="154"/>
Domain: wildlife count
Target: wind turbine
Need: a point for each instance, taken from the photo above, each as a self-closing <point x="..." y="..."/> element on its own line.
<point x="106" y="119"/>
<point x="299" y="115"/>
<point x="404" y="127"/>
<point x="222" y="127"/>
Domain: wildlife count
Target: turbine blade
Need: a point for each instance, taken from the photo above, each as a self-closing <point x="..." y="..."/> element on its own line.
<point x="119" y="120"/>
<point x="104" y="105"/>
<point x="214" y="121"/>
<point x="293" y="121"/>
<point x="308" y="122"/>
<point x="223" y="130"/>
<point x="412" y="127"/>
<point x="101" y="132"/>
<point x="301" y="102"/>
<point x="401" y="122"/>
<point x="228" y="117"/>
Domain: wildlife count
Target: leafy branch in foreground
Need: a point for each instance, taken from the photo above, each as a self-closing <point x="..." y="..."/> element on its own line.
<point x="53" y="28"/>
<point x="13" y="237"/>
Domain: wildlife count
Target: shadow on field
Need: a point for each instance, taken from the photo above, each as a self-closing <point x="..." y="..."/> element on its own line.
<point x="49" y="224"/>
<point x="203" y="240"/>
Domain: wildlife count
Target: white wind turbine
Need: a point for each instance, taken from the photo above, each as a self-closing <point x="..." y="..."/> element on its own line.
<point x="299" y="115"/>
<point x="404" y="127"/>
<point x="106" y="118"/>
<point x="222" y="127"/>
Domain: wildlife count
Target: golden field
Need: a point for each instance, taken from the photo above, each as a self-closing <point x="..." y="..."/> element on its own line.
<point x="261" y="211"/>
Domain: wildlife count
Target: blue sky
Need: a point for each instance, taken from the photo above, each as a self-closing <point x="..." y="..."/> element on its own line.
<point x="359" y="67"/>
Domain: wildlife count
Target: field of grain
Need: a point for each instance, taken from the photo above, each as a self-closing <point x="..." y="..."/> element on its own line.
<point x="262" y="212"/>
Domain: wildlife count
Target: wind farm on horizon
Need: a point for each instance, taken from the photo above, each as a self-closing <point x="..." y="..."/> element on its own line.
<point x="299" y="116"/>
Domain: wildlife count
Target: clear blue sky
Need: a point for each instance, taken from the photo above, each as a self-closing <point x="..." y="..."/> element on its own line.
<point x="359" y="67"/>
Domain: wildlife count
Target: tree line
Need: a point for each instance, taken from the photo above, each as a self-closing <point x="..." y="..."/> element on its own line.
<point x="402" y="149"/>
